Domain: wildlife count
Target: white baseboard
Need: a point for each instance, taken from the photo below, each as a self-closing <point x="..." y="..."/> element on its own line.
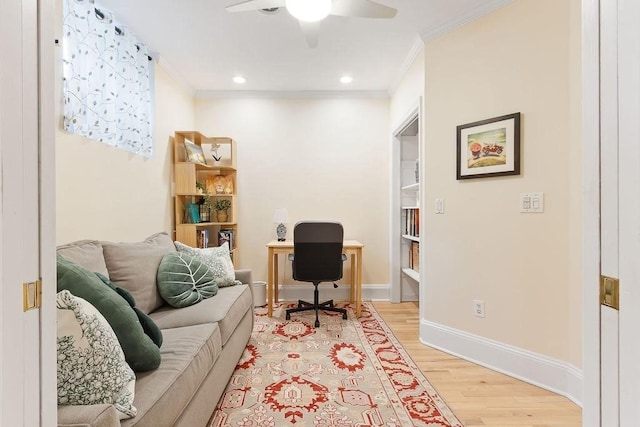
<point x="341" y="293"/>
<point x="545" y="372"/>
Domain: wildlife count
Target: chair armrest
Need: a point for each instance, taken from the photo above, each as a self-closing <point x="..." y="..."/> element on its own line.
<point x="88" y="416"/>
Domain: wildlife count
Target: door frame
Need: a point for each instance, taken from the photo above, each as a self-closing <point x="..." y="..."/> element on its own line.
<point x="629" y="208"/>
<point x="628" y="205"/>
<point x="591" y="212"/>
<point x="48" y="43"/>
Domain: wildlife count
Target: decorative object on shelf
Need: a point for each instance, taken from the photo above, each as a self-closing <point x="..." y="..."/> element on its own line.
<point x="221" y="206"/>
<point x="214" y="152"/>
<point x="220" y="184"/>
<point x="194" y="153"/>
<point x="192" y="213"/>
<point x="281" y="217"/>
<point x="205" y="203"/>
<point x="489" y="147"/>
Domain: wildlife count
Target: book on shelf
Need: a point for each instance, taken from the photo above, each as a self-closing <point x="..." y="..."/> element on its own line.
<point x="192" y="213"/>
<point x="414" y="256"/>
<point x="412" y="222"/>
<point x="227" y="235"/>
<point x="203" y="238"/>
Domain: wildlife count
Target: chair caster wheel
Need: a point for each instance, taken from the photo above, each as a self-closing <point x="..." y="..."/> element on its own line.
<point x="317" y="323"/>
<point x="288" y="316"/>
<point x="344" y="316"/>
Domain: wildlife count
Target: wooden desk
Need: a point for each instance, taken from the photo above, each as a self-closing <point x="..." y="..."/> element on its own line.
<point x="351" y="248"/>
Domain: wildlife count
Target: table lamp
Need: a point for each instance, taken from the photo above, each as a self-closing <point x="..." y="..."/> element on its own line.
<point x="281" y="217"/>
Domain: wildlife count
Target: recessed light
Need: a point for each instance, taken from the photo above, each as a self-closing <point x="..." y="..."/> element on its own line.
<point x="345" y="80"/>
<point x="239" y="79"/>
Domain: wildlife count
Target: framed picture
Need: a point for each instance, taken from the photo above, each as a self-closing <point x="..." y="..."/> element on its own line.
<point x="489" y="147"/>
<point x="194" y="153"/>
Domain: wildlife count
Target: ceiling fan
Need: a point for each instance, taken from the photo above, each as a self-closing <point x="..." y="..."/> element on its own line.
<point x="311" y="12"/>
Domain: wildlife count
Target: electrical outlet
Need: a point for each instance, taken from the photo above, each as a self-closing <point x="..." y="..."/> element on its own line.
<point x="478" y="308"/>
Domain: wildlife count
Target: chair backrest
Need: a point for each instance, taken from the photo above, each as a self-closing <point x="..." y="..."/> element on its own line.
<point x="317" y="251"/>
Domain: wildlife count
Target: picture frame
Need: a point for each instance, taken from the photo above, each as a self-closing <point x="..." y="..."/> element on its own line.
<point x="488" y="148"/>
<point x="194" y="152"/>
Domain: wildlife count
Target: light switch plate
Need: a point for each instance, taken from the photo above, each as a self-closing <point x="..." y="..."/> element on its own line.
<point x="532" y="202"/>
<point x="439" y="205"/>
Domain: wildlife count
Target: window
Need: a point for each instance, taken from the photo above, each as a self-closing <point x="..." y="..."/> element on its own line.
<point x="107" y="79"/>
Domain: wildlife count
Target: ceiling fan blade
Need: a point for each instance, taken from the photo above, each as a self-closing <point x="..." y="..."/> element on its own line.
<point x="362" y="9"/>
<point x="250" y="5"/>
<point x="311" y="31"/>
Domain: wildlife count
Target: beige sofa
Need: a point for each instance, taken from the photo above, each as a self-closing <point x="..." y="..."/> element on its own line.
<point x="201" y="343"/>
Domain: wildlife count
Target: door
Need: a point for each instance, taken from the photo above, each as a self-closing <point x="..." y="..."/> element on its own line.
<point x="27" y="338"/>
<point x="611" y="104"/>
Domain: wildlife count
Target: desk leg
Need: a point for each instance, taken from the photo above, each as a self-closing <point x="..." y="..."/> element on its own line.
<point x="270" y="284"/>
<point x="352" y="291"/>
<point x="359" y="283"/>
<point x="276" y="276"/>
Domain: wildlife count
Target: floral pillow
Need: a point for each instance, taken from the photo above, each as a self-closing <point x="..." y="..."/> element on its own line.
<point x="217" y="259"/>
<point x="91" y="364"/>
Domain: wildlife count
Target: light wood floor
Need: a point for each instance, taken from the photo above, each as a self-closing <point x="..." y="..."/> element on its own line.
<point x="478" y="396"/>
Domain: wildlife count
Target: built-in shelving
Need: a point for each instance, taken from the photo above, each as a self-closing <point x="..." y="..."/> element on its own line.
<point x="406" y="212"/>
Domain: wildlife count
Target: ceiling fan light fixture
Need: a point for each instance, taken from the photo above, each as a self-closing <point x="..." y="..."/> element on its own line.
<point x="239" y="80"/>
<point x="345" y="80"/>
<point x="309" y="10"/>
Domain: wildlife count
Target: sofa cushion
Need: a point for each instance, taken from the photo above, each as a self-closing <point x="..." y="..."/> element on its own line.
<point x="91" y="364"/>
<point x="87" y="253"/>
<point x="184" y="280"/>
<point x="217" y="259"/>
<point x="188" y="354"/>
<point x="148" y="325"/>
<point x="227" y="309"/>
<point x="134" y="266"/>
<point x="141" y="353"/>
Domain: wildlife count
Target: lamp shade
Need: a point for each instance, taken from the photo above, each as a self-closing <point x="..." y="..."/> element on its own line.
<point x="309" y="10"/>
<point x="281" y="216"/>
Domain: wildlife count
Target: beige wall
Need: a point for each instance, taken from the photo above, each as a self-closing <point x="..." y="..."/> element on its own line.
<point x="524" y="266"/>
<point x="109" y="194"/>
<point x="320" y="159"/>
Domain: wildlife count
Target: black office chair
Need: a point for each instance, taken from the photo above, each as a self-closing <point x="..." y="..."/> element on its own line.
<point x="317" y="257"/>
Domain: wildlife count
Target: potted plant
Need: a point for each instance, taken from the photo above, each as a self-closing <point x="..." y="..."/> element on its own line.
<point x="205" y="203"/>
<point x="221" y="206"/>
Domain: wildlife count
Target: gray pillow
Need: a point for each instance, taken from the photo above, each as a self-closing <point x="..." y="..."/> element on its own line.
<point x="217" y="259"/>
<point x="184" y="280"/>
<point x="134" y="267"/>
<point x="87" y="253"/>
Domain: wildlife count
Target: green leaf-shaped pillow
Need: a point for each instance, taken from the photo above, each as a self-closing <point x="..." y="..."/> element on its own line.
<point x="184" y="280"/>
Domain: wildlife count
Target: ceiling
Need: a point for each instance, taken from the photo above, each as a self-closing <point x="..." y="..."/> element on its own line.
<point x="204" y="46"/>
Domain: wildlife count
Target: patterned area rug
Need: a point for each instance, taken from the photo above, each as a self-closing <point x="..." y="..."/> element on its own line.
<point x="344" y="373"/>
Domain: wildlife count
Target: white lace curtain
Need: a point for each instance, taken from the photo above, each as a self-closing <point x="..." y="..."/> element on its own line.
<point x="107" y="84"/>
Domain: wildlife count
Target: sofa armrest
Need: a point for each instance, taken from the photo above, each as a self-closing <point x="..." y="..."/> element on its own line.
<point x="244" y="276"/>
<point x="88" y="416"/>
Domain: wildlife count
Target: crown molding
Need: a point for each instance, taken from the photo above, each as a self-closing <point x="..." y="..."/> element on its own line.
<point x="465" y="18"/>
<point x="416" y="48"/>
<point x="289" y="94"/>
<point x="174" y="74"/>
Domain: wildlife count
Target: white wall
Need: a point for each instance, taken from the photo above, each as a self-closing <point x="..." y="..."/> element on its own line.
<point x="406" y="95"/>
<point x="319" y="158"/>
<point x="109" y="194"/>
<point x="524" y="266"/>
